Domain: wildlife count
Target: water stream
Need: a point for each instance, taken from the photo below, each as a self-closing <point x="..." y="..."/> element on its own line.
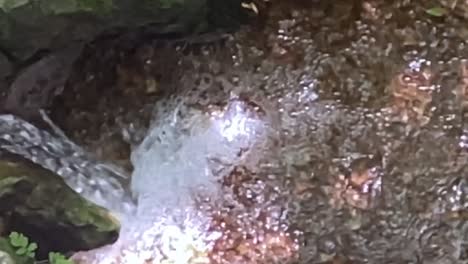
<point x="338" y="133"/>
<point x="103" y="184"/>
<point x="177" y="183"/>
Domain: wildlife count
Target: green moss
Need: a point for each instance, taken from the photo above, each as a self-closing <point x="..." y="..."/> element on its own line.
<point x="8" y="5"/>
<point x="34" y="193"/>
<point x="61" y="6"/>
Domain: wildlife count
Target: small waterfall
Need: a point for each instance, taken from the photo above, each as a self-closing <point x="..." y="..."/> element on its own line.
<point x="182" y="156"/>
<point x="179" y="169"/>
<point x="103" y="184"/>
<point x="186" y="153"/>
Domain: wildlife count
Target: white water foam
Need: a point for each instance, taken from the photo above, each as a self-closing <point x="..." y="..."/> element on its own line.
<point x="179" y="159"/>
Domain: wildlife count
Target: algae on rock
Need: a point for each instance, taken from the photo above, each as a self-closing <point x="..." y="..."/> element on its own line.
<point x="39" y="204"/>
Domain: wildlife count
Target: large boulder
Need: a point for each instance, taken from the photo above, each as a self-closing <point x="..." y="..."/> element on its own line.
<point x="38" y="203"/>
<point x="91" y="50"/>
<point x="28" y="26"/>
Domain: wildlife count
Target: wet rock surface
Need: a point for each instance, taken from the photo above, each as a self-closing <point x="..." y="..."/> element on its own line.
<point x="28" y="27"/>
<point x="61" y="156"/>
<point x="5" y="69"/>
<point x="363" y="184"/>
<point x="37" y="203"/>
<point x="36" y="85"/>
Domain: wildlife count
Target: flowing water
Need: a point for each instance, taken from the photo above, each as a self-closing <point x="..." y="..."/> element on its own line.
<point x="80" y="170"/>
<point x="335" y="132"/>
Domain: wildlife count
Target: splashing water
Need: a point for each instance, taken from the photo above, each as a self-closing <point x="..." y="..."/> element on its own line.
<point x="103" y="184"/>
<point x="178" y="181"/>
<point x="185" y="155"/>
<point x="187" y="151"/>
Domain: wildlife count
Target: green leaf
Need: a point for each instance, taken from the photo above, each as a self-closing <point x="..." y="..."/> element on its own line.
<point x="57" y="258"/>
<point x="52" y="257"/>
<point x="32" y="247"/>
<point x="21" y="251"/>
<point x="23" y="241"/>
<point x="18" y="240"/>
<point x="31" y="254"/>
<point x="437" y="11"/>
<point x="13" y="237"/>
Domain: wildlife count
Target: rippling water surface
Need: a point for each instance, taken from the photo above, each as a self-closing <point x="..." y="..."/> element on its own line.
<point x="334" y="132"/>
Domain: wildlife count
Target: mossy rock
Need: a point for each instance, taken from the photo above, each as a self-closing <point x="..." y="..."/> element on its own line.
<point x="40" y="205"/>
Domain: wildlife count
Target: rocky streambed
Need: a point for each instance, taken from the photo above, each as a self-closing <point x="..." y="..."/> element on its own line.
<point x="345" y="143"/>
